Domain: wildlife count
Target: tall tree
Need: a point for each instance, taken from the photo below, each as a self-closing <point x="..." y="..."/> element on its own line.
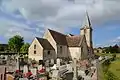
<point x="24" y="48"/>
<point x="15" y="43"/>
<point x="116" y="48"/>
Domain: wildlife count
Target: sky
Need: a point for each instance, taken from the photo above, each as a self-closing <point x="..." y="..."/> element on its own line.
<point x="31" y="18"/>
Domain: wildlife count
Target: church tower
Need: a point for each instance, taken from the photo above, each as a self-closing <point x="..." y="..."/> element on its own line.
<point x="87" y="31"/>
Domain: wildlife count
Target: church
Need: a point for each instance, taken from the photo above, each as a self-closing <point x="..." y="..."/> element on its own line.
<point x="55" y="45"/>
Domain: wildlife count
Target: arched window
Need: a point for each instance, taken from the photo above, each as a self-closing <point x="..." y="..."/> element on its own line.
<point x="48" y="52"/>
<point x="34" y="52"/>
<point x="61" y="49"/>
<point x="35" y="46"/>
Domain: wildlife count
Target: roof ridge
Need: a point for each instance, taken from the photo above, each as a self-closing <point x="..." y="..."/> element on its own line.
<point x="40" y="38"/>
<point x="44" y="43"/>
<point x="74" y="36"/>
<point x="57" y="32"/>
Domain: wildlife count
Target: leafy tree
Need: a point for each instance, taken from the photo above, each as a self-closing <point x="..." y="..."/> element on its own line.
<point x="15" y="43"/>
<point x="115" y="48"/>
<point x="24" y="48"/>
<point x="112" y="49"/>
<point x="3" y="47"/>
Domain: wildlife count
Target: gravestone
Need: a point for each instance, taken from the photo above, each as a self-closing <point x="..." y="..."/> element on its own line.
<point x="34" y="71"/>
<point x="55" y="75"/>
<point x="47" y="63"/>
<point x="47" y="69"/>
<point x="52" y="61"/>
<point x="75" y="76"/>
<point x="25" y="69"/>
<point x="69" y="67"/>
<point x="17" y="65"/>
<point x="82" y="73"/>
<point x="54" y="67"/>
<point x="39" y="67"/>
<point x="58" y="63"/>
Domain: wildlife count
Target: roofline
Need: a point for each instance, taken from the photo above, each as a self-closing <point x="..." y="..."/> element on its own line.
<point x="57" y="32"/>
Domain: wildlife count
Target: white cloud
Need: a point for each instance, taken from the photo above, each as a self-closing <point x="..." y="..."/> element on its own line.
<point x="57" y="14"/>
<point x="110" y="42"/>
<point x="63" y="12"/>
<point x="11" y="28"/>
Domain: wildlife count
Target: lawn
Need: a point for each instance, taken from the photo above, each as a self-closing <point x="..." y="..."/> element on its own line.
<point x="115" y="68"/>
<point x="100" y="73"/>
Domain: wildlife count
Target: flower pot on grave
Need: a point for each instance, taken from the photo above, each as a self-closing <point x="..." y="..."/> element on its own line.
<point x="42" y="76"/>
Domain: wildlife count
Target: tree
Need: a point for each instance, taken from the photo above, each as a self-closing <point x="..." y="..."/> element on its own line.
<point x="112" y="49"/>
<point x="3" y="47"/>
<point x="24" y="48"/>
<point x="116" y="48"/>
<point x="15" y="43"/>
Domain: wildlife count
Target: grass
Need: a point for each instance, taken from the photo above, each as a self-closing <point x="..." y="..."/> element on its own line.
<point x="101" y="75"/>
<point x="115" y="68"/>
<point x="103" y="54"/>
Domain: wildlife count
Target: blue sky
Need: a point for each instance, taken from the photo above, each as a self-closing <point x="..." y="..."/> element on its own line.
<point x="32" y="18"/>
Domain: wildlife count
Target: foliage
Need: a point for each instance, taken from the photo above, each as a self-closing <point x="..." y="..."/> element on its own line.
<point x="115" y="68"/>
<point x="110" y="76"/>
<point x="106" y="62"/>
<point x="34" y="62"/>
<point x="113" y="57"/>
<point x="24" y="48"/>
<point x="15" y="43"/>
<point x="112" y="49"/>
<point x="107" y="72"/>
<point x="3" y="47"/>
<point x="105" y="65"/>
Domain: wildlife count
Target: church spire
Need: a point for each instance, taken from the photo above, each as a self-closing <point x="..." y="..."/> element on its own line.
<point x="86" y="23"/>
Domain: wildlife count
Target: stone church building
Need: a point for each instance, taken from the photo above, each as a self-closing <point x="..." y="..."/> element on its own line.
<point x="58" y="45"/>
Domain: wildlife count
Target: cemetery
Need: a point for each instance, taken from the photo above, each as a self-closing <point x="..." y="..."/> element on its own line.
<point x="47" y="70"/>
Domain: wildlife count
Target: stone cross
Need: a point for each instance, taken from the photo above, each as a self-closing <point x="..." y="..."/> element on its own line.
<point x="58" y="63"/>
<point x="17" y="65"/>
<point x="69" y="67"/>
<point x="75" y="76"/>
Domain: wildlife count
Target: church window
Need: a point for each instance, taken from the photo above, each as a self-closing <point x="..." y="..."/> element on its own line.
<point x="60" y="49"/>
<point x="81" y="49"/>
<point x="34" y="52"/>
<point x="35" y="46"/>
<point x="48" y="52"/>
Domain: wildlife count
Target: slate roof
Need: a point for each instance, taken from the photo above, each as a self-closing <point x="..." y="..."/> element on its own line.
<point x="45" y="43"/>
<point x="58" y="37"/>
<point x="74" y="41"/>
